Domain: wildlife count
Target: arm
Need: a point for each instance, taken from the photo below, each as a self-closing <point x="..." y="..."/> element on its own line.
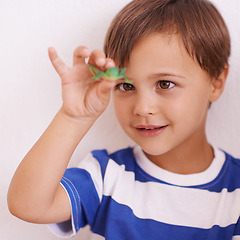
<point x="35" y="193"/>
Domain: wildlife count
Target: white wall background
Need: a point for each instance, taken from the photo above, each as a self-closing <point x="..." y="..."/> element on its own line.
<point x="30" y="92"/>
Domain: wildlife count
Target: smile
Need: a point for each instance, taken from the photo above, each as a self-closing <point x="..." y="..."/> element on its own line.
<point x="151" y="128"/>
<point x="150" y="131"/>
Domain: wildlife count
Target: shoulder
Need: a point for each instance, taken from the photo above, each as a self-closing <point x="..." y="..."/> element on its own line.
<point x="235" y="161"/>
<point x="233" y="164"/>
<point x="120" y="157"/>
<point x="231" y="172"/>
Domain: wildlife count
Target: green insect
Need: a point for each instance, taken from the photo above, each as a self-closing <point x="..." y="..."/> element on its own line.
<point x="110" y="74"/>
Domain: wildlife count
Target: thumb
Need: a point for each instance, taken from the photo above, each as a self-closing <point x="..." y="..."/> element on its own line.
<point x="104" y="90"/>
<point x="57" y="62"/>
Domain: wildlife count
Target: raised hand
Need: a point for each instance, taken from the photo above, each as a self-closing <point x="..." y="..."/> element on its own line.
<point x="36" y="183"/>
<point x="83" y="97"/>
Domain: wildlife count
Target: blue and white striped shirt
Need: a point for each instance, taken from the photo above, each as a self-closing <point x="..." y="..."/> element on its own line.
<point x="124" y="196"/>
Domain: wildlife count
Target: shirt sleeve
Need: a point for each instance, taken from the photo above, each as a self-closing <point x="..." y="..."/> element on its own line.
<point x="83" y="186"/>
<point x="236" y="235"/>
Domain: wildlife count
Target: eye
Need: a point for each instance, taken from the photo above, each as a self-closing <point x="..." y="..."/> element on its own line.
<point x="125" y="87"/>
<point x="165" y="84"/>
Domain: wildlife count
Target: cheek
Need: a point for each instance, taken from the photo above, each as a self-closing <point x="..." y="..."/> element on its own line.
<point x="186" y="102"/>
<point x="121" y="108"/>
<point x="191" y="109"/>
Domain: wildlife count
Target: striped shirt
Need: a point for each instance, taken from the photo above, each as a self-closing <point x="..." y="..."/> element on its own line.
<point x="124" y="196"/>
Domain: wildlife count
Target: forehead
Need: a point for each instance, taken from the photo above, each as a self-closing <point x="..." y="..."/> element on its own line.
<point x="162" y="52"/>
<point x="160" y="44"/>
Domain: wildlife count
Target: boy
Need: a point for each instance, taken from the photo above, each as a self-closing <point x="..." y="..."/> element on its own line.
<point x="173" y="184"/>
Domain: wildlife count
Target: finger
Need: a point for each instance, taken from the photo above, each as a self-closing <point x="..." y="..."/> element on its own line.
<point x="109" y="63"/>
<point x="57" y="62"/>
<point x="104" y="90"/>
<point x="97" y="58"/>
<point x="80" y="54"/>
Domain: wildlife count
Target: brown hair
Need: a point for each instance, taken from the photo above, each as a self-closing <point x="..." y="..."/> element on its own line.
<point x="198" y="23"/>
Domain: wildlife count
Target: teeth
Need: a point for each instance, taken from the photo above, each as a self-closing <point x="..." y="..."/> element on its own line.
<point x="150" y="128"/>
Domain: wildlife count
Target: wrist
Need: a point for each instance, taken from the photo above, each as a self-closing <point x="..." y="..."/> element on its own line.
<point x="69" y="129"/>
<point x="75" y="119"/>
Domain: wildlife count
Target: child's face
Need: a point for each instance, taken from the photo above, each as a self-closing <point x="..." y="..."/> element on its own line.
<point x="166" y="105"/>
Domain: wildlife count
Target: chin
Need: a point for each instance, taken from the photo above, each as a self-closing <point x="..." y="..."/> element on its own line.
<point x="154" y="150"/>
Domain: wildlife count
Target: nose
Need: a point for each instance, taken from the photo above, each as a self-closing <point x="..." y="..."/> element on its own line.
<point x="145" y="105"/>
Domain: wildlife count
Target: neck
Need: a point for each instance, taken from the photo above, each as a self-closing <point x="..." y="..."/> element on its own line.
<point x="188" y="158"/>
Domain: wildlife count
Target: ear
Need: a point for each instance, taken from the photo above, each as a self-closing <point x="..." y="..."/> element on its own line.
<point x="218" y="84"/>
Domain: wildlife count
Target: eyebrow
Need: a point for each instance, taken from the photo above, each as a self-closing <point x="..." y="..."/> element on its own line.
<point x="156" y="75"/>
<point x="161" y="75"/>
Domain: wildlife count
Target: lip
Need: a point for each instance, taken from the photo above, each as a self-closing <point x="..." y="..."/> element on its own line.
<point x="150" y="130"/>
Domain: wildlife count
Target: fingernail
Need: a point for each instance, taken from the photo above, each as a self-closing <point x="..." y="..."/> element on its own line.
<point x="87" y="51"/>
<point x="101" y="61"/>
<point x="110" y="65"/>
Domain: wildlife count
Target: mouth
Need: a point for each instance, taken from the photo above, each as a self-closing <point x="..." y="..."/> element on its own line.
<point x="150" y="130"/>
